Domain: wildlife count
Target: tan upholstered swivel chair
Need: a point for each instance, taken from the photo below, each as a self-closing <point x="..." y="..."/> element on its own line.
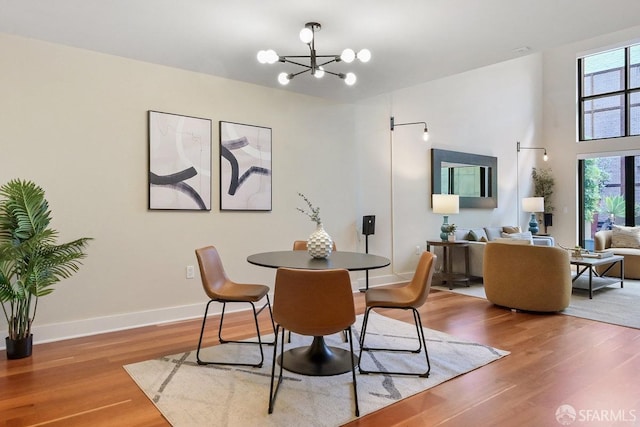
<point x="219" y="288"/>
<point x="314" y="303"/>
<point x="301" y="245"/>
<point x="408" y="297"/>
<point x="527" y="277"/>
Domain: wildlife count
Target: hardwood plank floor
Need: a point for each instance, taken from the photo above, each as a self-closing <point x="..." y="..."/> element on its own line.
<point x="555" y="359"/>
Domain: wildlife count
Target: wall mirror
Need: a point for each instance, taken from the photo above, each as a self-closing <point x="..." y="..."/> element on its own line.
<point x="473" y="177"/>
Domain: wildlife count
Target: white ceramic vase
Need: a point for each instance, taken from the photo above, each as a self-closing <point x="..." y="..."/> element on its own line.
<point x="319" y="244"/>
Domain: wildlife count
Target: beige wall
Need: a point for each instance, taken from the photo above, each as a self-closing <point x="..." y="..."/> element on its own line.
<point x="76" y="123"/>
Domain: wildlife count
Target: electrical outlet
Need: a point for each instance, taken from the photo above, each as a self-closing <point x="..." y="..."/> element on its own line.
<point x="418" y="249"/>
<point x="190" y="272"/>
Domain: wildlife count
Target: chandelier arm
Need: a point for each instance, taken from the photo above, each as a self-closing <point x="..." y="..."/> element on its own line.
<point x="294" y="62"/>
<point x="341" y="75"/>
<point x="327" y="62"/>
<point x="292" y="75"/>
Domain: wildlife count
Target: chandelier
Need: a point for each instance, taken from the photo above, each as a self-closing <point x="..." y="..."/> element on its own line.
<point x="316" y="62"/>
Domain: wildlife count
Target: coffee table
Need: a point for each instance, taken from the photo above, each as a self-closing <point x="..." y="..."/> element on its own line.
<point x="588" y="264"/>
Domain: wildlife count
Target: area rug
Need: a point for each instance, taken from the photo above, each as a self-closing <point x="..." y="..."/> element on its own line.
<point x="191" y="395"/>
<point x="611" y="304"/>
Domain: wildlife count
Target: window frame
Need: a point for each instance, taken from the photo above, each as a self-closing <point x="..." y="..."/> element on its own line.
<point x="625" y="92"/>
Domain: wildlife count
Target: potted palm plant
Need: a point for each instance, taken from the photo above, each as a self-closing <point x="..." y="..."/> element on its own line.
<point x="30" y="260"/>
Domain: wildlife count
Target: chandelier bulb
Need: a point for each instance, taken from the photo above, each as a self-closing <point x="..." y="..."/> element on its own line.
<point x="350" y="79"/>
<point x="348" y="55"/>
<point x="283" y="79"/>
<point x="319" y="73"/>
<point x="306" y="35"/>
<point x="425" y="135"/>
<point x="364" y="55"/>
<point x="271" y="56"/>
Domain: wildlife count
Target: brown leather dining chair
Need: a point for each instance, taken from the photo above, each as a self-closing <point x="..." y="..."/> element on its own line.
<point x="220" y="288"/>
<point x="408" y="297"/>
<point x="300" y="304"/>
<point x="301" y="245"/>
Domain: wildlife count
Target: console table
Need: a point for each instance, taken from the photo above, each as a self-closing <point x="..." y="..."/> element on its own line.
<point x="447" y="274"/>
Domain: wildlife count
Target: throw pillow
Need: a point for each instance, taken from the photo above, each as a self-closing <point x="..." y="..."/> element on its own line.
<point x="461" y="233"/>
<point x="493" y="232"/>
<point x="512" y="229"/>
<point x="625" y="237"/>
<point x="477" y="234"/>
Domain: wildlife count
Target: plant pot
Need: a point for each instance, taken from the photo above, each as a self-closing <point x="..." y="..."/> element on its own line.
<point x="19" y="349"/>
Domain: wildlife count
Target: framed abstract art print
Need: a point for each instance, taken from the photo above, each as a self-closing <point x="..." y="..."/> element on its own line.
<point x="245" y="167"/>
<point x="179" y="162"/>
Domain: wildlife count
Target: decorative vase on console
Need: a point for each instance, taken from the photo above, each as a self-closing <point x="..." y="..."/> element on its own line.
<point x="319" y="244"/>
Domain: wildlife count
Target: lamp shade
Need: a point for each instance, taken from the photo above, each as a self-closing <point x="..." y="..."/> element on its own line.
<point x="533" y="204"/>
<point x="445" y="203"/>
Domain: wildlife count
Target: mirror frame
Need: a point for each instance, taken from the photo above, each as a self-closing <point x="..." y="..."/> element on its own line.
<point x="440" y="156"/>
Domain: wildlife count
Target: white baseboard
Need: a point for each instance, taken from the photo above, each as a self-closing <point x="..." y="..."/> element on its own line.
<point x="99" y="325"/>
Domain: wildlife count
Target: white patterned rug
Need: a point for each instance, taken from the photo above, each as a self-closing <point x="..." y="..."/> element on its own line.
<point x="191" y="395"/>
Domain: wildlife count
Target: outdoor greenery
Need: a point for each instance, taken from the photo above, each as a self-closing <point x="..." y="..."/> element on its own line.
<point x="594" y="181"/>
<point x="543" y="183"/>
<point x="614" y="205"/>
<point x="30" y="260"/>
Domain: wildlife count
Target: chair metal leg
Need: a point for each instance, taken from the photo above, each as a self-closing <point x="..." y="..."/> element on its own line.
<point x="421" y="341"/>
<point x="223" y="341"/>
<point x="273" y="393"/>
<point x="353" y="370"/>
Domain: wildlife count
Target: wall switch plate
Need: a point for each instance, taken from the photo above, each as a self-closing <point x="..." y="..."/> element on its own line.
<point x="190" y="272"/>
<point x="418" y="250"/>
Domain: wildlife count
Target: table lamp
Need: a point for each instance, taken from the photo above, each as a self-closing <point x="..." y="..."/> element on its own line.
<point x="533" y="205"/>
<point x="445" y="204"/>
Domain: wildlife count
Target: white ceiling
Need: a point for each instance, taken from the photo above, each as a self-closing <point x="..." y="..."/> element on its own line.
<point x="412" y="41"/>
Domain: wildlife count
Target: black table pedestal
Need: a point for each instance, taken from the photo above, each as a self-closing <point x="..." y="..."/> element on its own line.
<point x="318" y="359"/>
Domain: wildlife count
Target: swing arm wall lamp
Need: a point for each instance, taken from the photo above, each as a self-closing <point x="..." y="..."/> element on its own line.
<point x="425" y="134"/>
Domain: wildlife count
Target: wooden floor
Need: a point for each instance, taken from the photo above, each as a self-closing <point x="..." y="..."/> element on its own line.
<point x="555" y="360"/>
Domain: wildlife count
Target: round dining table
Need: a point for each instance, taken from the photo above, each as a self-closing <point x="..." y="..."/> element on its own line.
<point x="318" y="359"/>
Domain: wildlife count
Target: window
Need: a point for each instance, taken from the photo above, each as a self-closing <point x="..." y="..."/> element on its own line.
<point x="609" y="194"/>
<point x="609" y="94"/>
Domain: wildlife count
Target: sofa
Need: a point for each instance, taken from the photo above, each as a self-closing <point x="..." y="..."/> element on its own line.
<point x="480" y="236"/>
<point x="527" y="277"/>
<point x="623" y="241"/>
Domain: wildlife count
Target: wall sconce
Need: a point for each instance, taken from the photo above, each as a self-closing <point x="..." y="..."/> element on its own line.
<point x="425" y="134"/>
<point x="533" y="205"/>
<point x="544" y="156"/>
<point x="518" y="148"/>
